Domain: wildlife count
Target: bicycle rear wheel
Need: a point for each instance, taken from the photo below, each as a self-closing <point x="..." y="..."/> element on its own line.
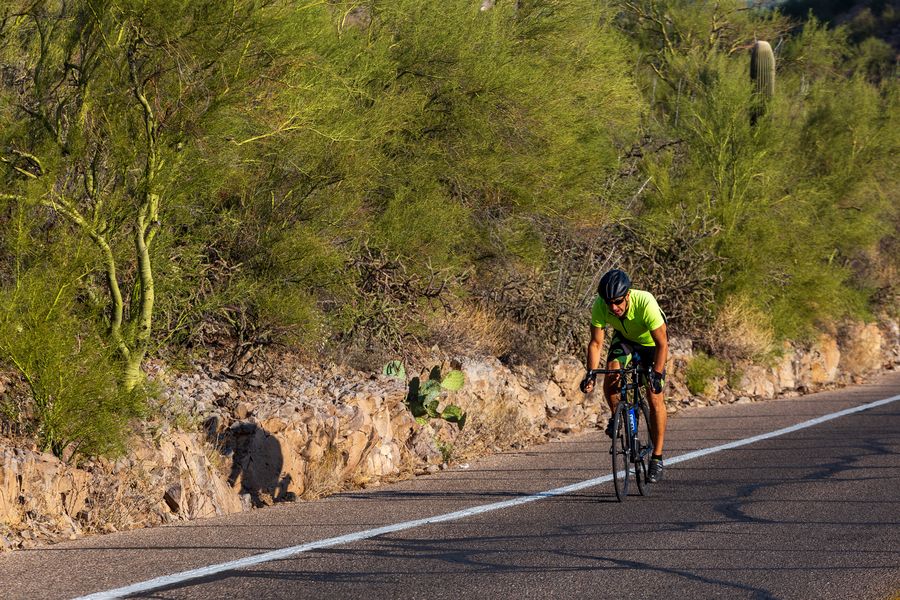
<point x="645" y="448"/>
<point x="620" y="452"/>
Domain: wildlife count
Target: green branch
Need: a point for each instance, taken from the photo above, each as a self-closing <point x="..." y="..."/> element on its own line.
<point x="68" y="209"/>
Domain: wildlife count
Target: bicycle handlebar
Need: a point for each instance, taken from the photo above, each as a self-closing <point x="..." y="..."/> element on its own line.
<point x="622" y="371"/>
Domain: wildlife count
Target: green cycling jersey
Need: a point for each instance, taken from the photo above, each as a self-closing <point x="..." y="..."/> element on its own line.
<point x="642" y="317"/>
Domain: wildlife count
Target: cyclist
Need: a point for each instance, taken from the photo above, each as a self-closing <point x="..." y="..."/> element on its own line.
<point x="640" y="326"/>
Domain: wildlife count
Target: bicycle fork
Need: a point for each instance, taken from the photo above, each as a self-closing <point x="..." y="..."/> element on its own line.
<point x="633" y="442"/>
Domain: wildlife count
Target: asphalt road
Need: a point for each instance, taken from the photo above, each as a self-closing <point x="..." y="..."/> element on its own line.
<point x="809" y="514"/>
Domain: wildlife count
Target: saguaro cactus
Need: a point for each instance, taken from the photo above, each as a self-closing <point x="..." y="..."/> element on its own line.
<point x="762" y="73"/>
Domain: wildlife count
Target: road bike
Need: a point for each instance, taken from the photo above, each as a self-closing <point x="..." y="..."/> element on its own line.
<point x="632" y="444"/>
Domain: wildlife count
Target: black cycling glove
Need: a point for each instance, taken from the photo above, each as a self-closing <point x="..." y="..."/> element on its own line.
<point x="584" y="382"/>
<point x="656" y="382"/>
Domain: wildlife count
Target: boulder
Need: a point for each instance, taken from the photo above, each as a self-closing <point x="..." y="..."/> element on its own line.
<point x="785" y="370"/>
<point x="862" y="348"/>
<point x="756" y="381"/>
<point x="822" y="361"/>
<point x="38" y="485"/>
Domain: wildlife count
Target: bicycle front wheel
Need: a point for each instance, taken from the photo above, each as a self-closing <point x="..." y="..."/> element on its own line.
<point x="644" y="443"/>
<point x="620" y="452"/>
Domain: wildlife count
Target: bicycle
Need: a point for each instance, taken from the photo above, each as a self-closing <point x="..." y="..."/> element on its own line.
<point x="631" y="442"/>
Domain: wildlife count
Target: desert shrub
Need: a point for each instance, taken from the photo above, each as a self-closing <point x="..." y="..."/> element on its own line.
<point x="546" y="303"/>
<point x="700" y="371"/>
<point x="790" y="201"/>
<point x="76" y="404"/>
<point x="678" y="265"/>
<point x="469" y="329"/>
<point x="740" y="331"/>
<point x="424" y="395"/>
<point x="500" y="423"/>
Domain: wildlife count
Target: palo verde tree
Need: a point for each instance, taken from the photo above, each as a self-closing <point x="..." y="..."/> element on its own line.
<point x="106" y="101"/>
<point x="792" y="203"/>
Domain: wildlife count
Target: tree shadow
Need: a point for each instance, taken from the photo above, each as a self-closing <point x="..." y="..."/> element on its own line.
<point x="257" y="462"/>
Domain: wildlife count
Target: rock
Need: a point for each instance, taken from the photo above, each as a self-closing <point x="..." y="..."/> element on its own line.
<point x="242" y="410"/>
<point x="785" y="371"/>
<point x="424" y="446"/>
<point x="172" y="498"/>
<point x="306" y="432"/>
<point x="823" y="359"/>
<point x="214" y="425"/>
<point x="861" y="348"/>
<point x="567" y="374"/>
<point x="567" y="420"/>
<point x="6" y="543"/>
<point x="552" y="394"/>
<point x="756" y="381"/>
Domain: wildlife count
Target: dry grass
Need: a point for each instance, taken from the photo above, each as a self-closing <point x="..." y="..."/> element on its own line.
<point x="741" y="331"/>
<point x="325" y="476"/>
<point x="499" y="424"/>
<point x="473" y="329"/>
<point x="120" y="504"/>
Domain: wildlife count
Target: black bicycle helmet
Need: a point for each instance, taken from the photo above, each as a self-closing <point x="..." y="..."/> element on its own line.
<point x="614" y="284"/>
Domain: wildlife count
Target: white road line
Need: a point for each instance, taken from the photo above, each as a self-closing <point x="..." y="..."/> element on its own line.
<point x="177" y="578"/>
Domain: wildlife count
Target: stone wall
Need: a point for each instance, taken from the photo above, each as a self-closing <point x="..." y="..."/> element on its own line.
<point x="846" y="357"/>
<point x="303" y="433"/>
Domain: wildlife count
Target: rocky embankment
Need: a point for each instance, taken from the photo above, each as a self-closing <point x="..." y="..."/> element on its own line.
<point x="217" y="447"/>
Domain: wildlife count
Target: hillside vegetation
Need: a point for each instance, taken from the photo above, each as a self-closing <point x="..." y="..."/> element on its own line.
<point x="361" y="180"/>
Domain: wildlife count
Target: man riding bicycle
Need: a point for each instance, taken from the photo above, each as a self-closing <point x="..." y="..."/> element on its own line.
<point x="640" y="327"/>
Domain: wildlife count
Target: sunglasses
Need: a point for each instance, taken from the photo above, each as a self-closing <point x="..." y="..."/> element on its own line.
<point x="616" y="301"/>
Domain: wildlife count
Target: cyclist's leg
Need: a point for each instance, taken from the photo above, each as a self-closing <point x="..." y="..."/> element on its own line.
<point x="611" y="385"/>
<point x="618" y="357"/>
<point x="657" y="403"/>
<point x="659" y="416"/>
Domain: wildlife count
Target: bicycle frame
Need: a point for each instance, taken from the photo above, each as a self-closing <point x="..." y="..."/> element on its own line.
<point x="638" y="450"/>
<point x="631" y="381"/>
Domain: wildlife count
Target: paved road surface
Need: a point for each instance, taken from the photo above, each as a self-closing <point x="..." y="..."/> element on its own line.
<point x="808" y="514"/>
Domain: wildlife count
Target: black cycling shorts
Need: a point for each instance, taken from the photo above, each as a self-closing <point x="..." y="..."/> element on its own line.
<point x="623" y="351"/>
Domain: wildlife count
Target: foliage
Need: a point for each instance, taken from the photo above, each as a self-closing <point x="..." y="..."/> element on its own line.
<point x="740" y="330"/>
<point x="76" y="407"/>
<point x="110" y="98"/>
<point x="700" y="371"/>
<point x="788" y="201"/>
<point x="345" y="177"/>
<point x="396" y="369"/>
<point x="446" y="450"/>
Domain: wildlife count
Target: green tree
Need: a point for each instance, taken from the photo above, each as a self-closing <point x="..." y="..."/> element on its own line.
<point x="107" y="103"/>
<point x="790" y="204"/>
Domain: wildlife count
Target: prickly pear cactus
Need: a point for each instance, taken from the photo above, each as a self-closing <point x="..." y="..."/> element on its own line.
<point x="423" y="397"/>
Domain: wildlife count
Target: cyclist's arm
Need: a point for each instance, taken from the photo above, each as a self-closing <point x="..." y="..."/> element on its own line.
<point x="661" y="339"/>
<point x="595" y="347"/>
